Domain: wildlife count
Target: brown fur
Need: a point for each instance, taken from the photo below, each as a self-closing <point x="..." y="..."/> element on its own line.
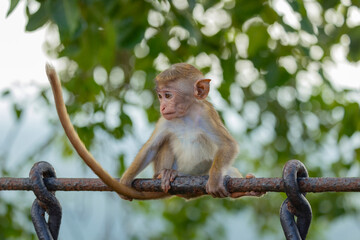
<point x="176" y="144"/>
<point x="192" y="140"/>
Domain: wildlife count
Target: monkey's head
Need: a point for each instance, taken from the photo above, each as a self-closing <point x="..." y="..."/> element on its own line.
<point x="178" y="88"/>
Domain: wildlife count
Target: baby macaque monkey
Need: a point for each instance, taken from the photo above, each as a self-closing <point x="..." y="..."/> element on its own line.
<point x="189" y="138"/>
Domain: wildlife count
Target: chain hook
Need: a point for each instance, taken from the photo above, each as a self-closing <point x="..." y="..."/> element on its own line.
<point x="45" y="202"/>
<point x="296" y="204"/>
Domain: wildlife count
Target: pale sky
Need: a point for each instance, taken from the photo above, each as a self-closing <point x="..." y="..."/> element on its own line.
<point x="22" y="59"/>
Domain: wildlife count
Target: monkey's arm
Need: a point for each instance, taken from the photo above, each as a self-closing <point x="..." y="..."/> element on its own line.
<point x="164" y="158"/>
<point x="155" y="149"/>
<point x="226" y="152"/>
<point x="223" y="158"/>
<point x="79" y="146"/>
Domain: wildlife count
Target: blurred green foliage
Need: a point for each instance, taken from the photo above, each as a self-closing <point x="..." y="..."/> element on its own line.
<point x="269" y="63"/>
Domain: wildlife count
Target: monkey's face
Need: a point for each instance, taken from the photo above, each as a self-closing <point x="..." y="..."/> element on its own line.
<point x="174" y="103"/>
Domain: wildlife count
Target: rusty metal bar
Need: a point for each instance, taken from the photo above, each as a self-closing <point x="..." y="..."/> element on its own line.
<point x="295" y="182"/>
<point x="192" y="184"/>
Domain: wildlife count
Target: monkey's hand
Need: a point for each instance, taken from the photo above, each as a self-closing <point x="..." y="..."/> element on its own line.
<point x="167" y="176"/>
<point x="128" y="183"/>
<point x="215" y="186"/>
<point x="250" y="194"/>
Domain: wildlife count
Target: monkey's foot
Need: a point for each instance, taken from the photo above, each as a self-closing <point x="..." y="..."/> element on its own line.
<point x="250" y="194"/>
<point x="167" y="176"/>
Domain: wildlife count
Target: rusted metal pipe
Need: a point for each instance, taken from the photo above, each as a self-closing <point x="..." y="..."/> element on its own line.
<point x="295" y="182"/>
<point x="189" y="184"/>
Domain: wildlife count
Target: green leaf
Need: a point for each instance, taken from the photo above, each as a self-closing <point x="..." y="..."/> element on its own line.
<point x="307" y="25"/>
<point x="153" y="113"/>
<point x="18" y="111"/>
<point x="68" y="149"/>
<point x="125" y="119"/>
<point x="13" y="5"/>
<point x="326" y="4"/>
<point x="268" y="14"/>
<point x="129" y="35"/>
<point x="43" y="96"/>
<point x="229" y="72"/>
<point x="245" y="10"/>
<point x="107" y="54"/>
<point x="351" y="123"/>
<point x="355" y="2"/>
<point x="276" y="75"/>
<point x="5" y="93"/>
<point x="66" y="15"/>
<point x="258" y="38"/>
<point x="39" y="18"/>
<point x="354" y="51"/>
<point x="86" y="134"/>
<point x="118" y="132"/>
<point x="122" y="166"/>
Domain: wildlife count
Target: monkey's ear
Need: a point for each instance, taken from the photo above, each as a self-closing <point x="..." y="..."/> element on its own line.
<point x="202" y="88"/>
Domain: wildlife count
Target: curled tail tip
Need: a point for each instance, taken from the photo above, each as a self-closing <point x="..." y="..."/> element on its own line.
<point x="50" y="71"/>
<point x="49" y="68"/>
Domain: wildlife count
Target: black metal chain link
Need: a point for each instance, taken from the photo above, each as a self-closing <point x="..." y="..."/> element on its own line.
<point x="296" y="204"/>
<point x="45" y="202"/>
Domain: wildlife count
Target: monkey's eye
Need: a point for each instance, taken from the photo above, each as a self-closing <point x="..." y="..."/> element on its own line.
<point x="159" y="96"/>
<point x="168" y="95"/>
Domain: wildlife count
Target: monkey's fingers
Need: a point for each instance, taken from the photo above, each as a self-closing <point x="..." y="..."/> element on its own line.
<point x="250" y="175"/>
<point x="223" y="192"/>
<point x="165" y="184"/>
<point x="167" y="176"/>
<point x="173" y="175"/>
<point x="217" y="192"/>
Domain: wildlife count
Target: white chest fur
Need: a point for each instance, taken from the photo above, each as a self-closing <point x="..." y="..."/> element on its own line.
<point x="194" y="150"/>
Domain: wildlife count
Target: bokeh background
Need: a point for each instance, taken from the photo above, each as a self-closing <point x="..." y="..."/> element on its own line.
<point x="285" y="80"/>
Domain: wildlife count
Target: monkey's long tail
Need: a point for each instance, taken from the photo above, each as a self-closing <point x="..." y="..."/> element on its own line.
<point x="79" y="145"/>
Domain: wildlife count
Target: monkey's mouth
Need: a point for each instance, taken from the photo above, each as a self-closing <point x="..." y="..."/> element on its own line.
<point x="169" y="115"/>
